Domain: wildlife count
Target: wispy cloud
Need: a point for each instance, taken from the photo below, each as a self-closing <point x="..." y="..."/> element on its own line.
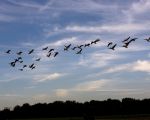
<point x="138" y="66"/>
<point x="6" y="18"/>
<point x="98" y="59"/>
<point x="47" y="77"/>
<point x="114" y="28"/>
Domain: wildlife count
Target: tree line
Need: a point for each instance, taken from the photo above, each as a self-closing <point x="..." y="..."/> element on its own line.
<point x="126" y="106"/>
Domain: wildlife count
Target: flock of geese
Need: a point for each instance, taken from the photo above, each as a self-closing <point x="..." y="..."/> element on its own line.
<point x="52" y="53"/>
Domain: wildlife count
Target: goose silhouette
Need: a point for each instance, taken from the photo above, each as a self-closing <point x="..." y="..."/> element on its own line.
<point x="147" y="39"/>
<point x="67" y="47"/>
<point x="110" y="43"/>
<point x="8" y="51"/>
<point x="31" y="51"/>
<point x="19" y="53"/>
<point x="79" y="52"/>
<point x="125" y="40"/>
<point x="87" y="45"/>
<point x="45" y="48"/>
<point x="113" y="47"/>
<point x="51" y="50"/>
<point x="56" y="53"/>
<point x="38" y="59"/>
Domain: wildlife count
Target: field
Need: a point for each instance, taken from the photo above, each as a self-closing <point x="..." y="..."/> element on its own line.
<point x="135" y="117"/>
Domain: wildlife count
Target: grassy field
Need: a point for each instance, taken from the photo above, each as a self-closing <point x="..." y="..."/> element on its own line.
<point x="137" y="117"/>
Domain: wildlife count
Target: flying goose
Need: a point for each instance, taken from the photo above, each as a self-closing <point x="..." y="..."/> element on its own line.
<point x="56" y="53"/>
<point x="67" y="47"/>
<point x="31" y="51"/>
<point x="125" y="40"/>
<point x="45" y="48"/>
<point x="8" y="51"/>
<point x="110" y="43"/>
<point x="113" y="47"/>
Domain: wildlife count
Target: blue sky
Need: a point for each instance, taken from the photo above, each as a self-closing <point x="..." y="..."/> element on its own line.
<point x="98" y="73"/>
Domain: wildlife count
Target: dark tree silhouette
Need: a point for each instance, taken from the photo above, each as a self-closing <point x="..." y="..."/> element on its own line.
<point x="87" y="110"/>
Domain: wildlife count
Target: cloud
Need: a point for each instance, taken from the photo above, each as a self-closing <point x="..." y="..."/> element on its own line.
<point x="10" y="95"/>
<point x="98" y="59"/>
<point x="90" y="85"/>
<point x="40" y="97"/>
<point x="47" y="77"/>
<point x="6" y="18"/>
<point x="26" y="4"/>
<point x="138" y="66"/>
<point x="113" y="28"/>
<point x="78" y="6"/>
<point x="137" y="11"/>
<point x="61" y="92"/>
<point x="142" y="66"/>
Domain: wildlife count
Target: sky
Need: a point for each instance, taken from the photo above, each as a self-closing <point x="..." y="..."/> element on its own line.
<point x="98" y="73"/>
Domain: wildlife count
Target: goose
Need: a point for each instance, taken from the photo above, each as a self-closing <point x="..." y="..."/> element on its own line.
<point x="126" y="45"/>
<point x="51" y="50"/>
<point x="80" y="46"/>
<point x="97" y="40"/>
<point x="19" y="53"/>
<point x="113" y="47"/>
<point x="21" y="69"/>
<point x="49" y="55"/>
<point x="38" y="59"/>
<point x="147" y="39"/>
<point x="33" y="67"/>
<point x="30" y="66"/>
<point x="79" y="52"/>
<point x="8" y="51"/>
<point x="67" y="47"/>
<point x="110" y="43"/>
<point x="31" y="51"/>
<point x="126" y="39"/>
<point x="87" y="45"/>
<point x="74" y="48"/>
<point x="12" y="64"/>
<point x="56" y="53"/>
<point x="45" y="48"/>
<point x="24" y="66"/>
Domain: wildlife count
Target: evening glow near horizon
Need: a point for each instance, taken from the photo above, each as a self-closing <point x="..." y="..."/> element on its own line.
<point x="98" y="73"/>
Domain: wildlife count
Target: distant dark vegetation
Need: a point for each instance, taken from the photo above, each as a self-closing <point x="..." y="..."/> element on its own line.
<point x="127" y="106"/>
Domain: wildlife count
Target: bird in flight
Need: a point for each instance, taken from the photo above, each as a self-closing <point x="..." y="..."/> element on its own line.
<point x="67" y="47"/>
<point x="79" y="52"/>
<point x="113" y="47"/>
<point x="80" y="46"/>
<point x="19" y="53"/>
<point x="38" y="59"/>
<point x="12" y="64"/>
<point x="126" y="39"/>
<point x="133" y="39"/>
<point x="45" y="48"/>
<point x="31" y="51"/>
<point x="51" y="50"/>
<point x="74" y="48"/>
<point x="24" y="66"/>
<point x="147" y="39"/>
<point x="16" y="60"/>
<point x="32" y="65"/>
<point x="126" y="44"/>
<point x="21" y="69"/>
<point x="110" y="43"/>
<point x="49" y="54"/>
<point x="87" y="45"/>
<point x="95" y="41"/>
<point x="56" y="53"/>
<point x="8" y="51"/>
